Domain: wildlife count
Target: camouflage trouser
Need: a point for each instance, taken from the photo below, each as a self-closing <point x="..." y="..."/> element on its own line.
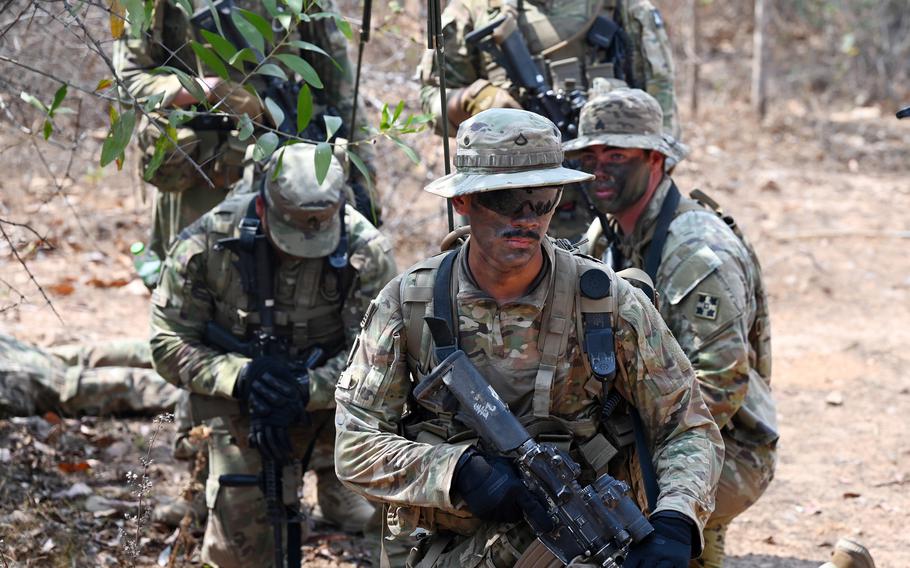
<point x="238" y="533"/>
<point x="746" y="473"/>
<point x="493" y="545"/>
<point x="34" y="381"/>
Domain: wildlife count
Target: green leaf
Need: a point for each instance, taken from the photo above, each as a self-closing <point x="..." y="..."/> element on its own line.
<point x="135" y="10"/>
<point x="244" y="55"/>
<point x="210" y="60"/>
<point x="332" y="124"/>
<point x="246" y="127"/>
<point x="322" y="159"/>
<point x="48" y="129"/>
<point x="307" y="46"/>
<point x="272" y="70"/>
<point x="398" y="110"/>
<point x="265" y="146"/>
<point x="32" y="100"/>
<point x="103" y="84"/>
<point x="186" y="81"/>
<point x="187" y="7"/>
<point x="302" y="68"/>
<point x="58" y="98"/>
<point x="161" y="147"/>
<point x="285" y="20"/>
<point x="222" y="46"/>
<point x="384" y="122"/>
<point x="178" y="116"/>
<point x="304" y="108"/>
<point x="118" y="137"/>
<point x="344" y="26"/>
<point x="271" y="7"/>
<point x="275" y="111"/>
<point x="276" y="171"/>
<point x="216" y="17"/>
<point x="407" y="149"/>
<point x="153" y="101"/>
<point x="295" y="5"/>
<point x="263" y="26"/>
<point x="249" y="32"/>
<point x="361" y="167"/>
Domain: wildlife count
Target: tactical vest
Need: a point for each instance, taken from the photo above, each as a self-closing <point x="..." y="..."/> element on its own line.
<point x="581" y="297"/>
<point x="555" y="32"/>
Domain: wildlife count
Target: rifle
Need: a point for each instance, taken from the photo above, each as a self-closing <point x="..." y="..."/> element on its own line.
<point x="503" y="40"/>
<point x="269" y="479"/>
<point x="281" y="91"/>
<point x="599" y="522"/>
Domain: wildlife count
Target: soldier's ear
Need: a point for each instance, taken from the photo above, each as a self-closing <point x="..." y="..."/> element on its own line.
<point x="462" y="204"/>
<point x="656" y="160"/>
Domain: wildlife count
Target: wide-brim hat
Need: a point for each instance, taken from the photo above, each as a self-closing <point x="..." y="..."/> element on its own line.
<point x="625" y="118"/>
<point x="302" y="215"/>
<point x="504" y="149"/>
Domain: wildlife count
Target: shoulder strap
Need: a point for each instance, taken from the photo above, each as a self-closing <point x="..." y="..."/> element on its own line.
<point x="414" y="300"/>
<point x="555" y="327"/>
<point x="442" y="303"/>
<point x="664" y="218"/>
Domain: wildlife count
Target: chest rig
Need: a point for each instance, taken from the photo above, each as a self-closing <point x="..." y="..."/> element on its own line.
<point x="272" y="314"/>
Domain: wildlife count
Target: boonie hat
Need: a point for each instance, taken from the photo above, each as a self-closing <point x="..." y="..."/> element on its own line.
<point x="505" y="148"/>
<point x="302" y="215"/>
<point x="625" y="118"/>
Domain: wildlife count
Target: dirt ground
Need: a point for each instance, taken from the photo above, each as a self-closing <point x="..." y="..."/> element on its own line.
<point x="823" y="196"/>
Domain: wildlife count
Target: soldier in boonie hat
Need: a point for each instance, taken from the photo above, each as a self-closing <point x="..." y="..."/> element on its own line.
<point x="302" y="215"/>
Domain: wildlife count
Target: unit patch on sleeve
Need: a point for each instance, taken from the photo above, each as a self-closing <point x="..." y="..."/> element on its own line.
<point x="707" y="306"/>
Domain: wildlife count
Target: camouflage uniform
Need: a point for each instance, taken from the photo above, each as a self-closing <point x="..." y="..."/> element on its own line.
<point x="113" y="378"/>
<point x="544" y="25"/>
<point x="710" y="293"/>
<point x="315" y="304"/>
<point x="381" y="451"/>
<point x="183" y="196"/>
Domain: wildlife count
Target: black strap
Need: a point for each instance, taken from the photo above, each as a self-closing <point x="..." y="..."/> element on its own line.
<point x="648" y="474"/>
<point x="442" y="303"/>
<point x="664" y="218"/>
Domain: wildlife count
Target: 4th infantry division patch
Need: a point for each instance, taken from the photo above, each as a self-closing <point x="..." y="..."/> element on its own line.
<point x="707" y="306"/>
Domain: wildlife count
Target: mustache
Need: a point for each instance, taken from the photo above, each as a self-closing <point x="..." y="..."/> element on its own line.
<point x="519" y="234"/>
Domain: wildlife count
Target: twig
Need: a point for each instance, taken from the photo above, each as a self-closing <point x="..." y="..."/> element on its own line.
<point x="60" y="191"/>
<point x="57" y="79"/>
<point x="29" y="272"/>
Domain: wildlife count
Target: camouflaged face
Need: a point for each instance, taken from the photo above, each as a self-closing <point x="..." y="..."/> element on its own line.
<point x="502" y="341"/>
<point x="546" y="24"/>
<point x="505" y="148"/>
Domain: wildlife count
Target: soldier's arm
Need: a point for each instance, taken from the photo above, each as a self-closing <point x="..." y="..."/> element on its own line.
<point x="370" y="456"/>
<point x="462" y="62"/>
<point x="686" y="446"/>
<point x="654" y="58"/>
<point x="181" y="306"/>
<point x="710" y="322"/>
<point x="372" y="260"/>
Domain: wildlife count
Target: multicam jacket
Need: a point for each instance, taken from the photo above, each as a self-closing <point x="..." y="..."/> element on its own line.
<point x="545" y="24"/>
<point x="712" y="298"/>
<point x="373" y="409"/>
<point x="200" y="284"/>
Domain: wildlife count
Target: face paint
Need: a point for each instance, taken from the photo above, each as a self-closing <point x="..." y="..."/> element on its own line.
<point x="619" y="184"/>
<point x="520" y="202"/>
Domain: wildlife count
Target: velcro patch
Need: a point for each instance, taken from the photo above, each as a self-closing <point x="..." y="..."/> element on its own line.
<point x="707" y="306"/>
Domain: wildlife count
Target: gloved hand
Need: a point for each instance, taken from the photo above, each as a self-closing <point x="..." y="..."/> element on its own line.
<point x="482" y="95"/>
<point x="493" y="491"/>
<point x="669" y="546"/>
<point x="276" y="400"/>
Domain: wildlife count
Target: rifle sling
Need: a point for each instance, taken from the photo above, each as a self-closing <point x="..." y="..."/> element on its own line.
<point x="664" y="218"/>
<point x="442" y="303"/>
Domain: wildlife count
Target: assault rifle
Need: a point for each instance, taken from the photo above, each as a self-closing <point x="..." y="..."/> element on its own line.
<point x="281" y="91"/>
<point x="269" y="479"/>
<point x="599" y="522"/>
<point x="503" y="40"/>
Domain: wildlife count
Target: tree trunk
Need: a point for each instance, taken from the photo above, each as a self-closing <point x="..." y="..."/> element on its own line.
<point x="760" y="59"/>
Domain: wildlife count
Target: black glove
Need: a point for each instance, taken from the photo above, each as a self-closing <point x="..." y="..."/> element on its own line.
<point x="276" y="401"/>
<point x="493" y="491"/>
<point x="669" y="546"/>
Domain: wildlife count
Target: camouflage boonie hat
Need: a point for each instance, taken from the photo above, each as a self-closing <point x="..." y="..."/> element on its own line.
<point x="505" y="148"/>
<point x="625" y="118"/>
<point x="303" y="218"/>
